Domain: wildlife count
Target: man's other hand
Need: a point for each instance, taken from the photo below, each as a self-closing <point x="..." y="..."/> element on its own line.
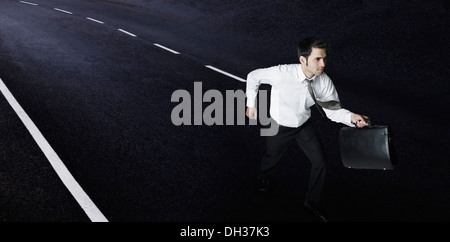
<point x="251" y="113"/>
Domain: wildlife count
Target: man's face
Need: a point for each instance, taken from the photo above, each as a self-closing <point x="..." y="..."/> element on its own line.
<point x="315" y="63"/>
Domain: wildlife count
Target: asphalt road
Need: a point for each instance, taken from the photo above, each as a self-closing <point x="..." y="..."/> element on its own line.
<point x="96" y="78"/>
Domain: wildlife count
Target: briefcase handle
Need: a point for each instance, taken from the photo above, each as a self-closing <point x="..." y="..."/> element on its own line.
<point x="367" y="121"/>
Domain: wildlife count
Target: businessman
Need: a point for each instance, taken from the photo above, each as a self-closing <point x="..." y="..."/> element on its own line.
<point x="298" y="87"/>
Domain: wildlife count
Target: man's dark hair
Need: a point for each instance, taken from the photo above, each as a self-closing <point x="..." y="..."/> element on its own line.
<point x="305" y="46"/>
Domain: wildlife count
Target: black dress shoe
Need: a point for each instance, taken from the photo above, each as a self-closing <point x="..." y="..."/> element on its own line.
<point x="316" y="212"/>
<point x="263" y="185"/>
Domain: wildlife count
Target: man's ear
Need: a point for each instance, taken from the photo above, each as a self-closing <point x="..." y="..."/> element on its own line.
<point x="302" y="60"/>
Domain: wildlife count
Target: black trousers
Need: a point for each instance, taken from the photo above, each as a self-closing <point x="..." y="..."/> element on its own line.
<point x="311" y="145"/>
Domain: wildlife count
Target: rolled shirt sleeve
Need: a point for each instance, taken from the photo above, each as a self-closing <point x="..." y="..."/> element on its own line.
<point x="340" y="116"/>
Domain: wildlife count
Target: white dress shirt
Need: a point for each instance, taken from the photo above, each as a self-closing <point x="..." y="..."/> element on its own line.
<point x="291" y="90"/>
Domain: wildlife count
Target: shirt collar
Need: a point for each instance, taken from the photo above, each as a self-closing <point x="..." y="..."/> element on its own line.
<point x="301" y="75"/>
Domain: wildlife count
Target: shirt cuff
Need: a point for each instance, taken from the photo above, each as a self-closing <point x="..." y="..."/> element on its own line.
<point x="251" y="102"/>
<point x="349" y="118"/>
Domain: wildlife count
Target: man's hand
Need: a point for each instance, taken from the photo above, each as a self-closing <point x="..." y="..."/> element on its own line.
<point x="359" y="120"/>
<point x="251" y="113"/>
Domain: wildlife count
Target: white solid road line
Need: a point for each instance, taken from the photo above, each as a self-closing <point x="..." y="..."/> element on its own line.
<point x="126" y="32"/>
<point x="95" y="20"/>
<point x="168" y="49"/>
<point x="69" y="181"/>
<point x="62" y="10"/>
<point x="225" y="73"/>
<point x="34" y="4"/>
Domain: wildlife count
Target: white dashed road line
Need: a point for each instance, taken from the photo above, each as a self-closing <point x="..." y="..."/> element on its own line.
<point x="168" y="49"/>
<point x="34" y="4"/>
<point x="126" y="32"/>
<point x="63" y="11"/>
<point x="225" y="73"/>
<point x="156" y="44"/>
<point x="95" y="20"/>
<point x="66" y="177"/>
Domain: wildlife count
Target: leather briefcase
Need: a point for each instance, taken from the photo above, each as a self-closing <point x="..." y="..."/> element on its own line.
<point x="367" y="148"/>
